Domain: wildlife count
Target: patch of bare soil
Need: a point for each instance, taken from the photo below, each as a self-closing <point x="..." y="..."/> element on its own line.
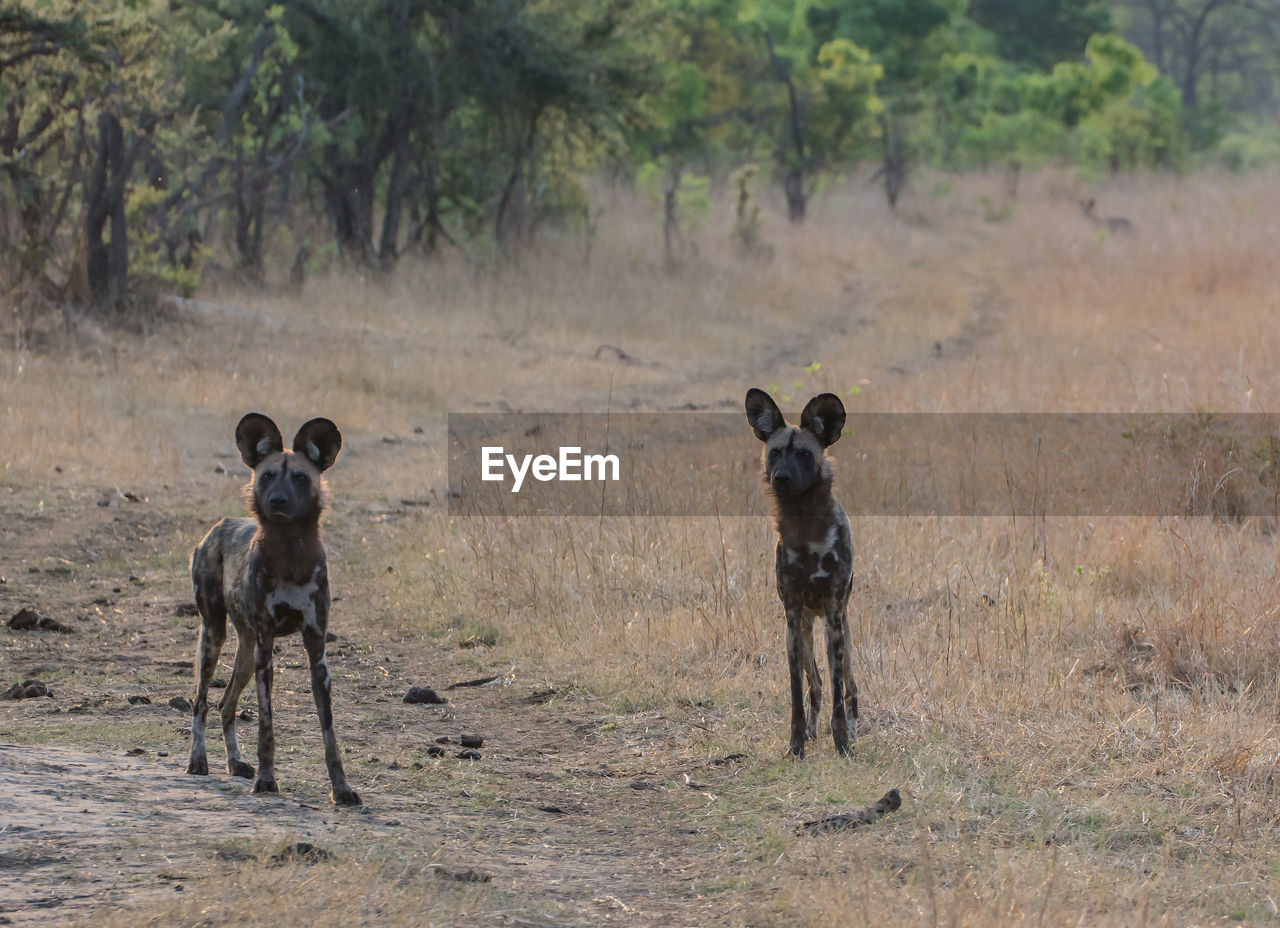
<point x="574" y="811"/>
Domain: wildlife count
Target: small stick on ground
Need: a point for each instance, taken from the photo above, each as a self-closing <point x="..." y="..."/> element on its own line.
<point x="889" y="802"/>
<point x="622" y="355"/>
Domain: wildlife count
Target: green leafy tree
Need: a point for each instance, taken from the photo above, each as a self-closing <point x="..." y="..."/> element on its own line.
<point x="1040" y="33"/>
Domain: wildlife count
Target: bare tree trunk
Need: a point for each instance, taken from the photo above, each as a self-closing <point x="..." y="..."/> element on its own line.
<point x="108" y="261"/>
<point x="670" y="216"/>
<point x="510" y="218"/>
<point x="388" y="246"/>
<point x="399" y="125"/>
<point x="432" y="194"/>
<point x="792" y="168"/>
<point x="793" y="188"/>
<point x="348" y="199"/>
<point x="1193" y="51"/>
<point x="895" y="161"/>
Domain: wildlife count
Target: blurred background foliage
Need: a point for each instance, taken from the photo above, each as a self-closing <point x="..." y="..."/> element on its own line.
<point x="142" y="139"/>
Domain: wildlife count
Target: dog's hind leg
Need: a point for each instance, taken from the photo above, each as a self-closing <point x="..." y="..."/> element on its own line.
<point x="236" y="764"/>
<point x="850" y="687"/>
<point x="213" y="632"/>
<point x="313" y="640"/>
<point x="815" y="679"/>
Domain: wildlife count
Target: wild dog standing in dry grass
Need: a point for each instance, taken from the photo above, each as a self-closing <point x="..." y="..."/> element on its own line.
<point x="268" y="573"/>
<point x="1118" y="224"/>
<point x="814" y="558"/>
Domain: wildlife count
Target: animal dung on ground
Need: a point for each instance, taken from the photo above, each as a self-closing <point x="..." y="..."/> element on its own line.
<point x="28" y="619"/>
<point x="139" y="700"/>
<point x="27" y="689"/>
<point x="302" y="852"/>
<point x="468" y="754"/>
<point x="181" y="703"/>
<point x="471" y="741"/>
<point x="887" y="803"/>
<point x="469" y="875"/>
<point x="728" y="759"/>
<point x="424" y="694"/>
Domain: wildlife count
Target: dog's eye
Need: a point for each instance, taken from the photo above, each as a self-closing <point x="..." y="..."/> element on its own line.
<point x="301" y="480"/>
<point x="774" y="452"/>
<point x="805" y="454"/>
<point x="268" y="475"/>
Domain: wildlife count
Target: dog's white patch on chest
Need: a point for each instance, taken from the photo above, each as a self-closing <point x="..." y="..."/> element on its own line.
<point x="821" y="548"/>
<point x="298" y="598"/>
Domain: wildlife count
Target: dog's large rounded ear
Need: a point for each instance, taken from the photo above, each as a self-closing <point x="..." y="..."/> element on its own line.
<point x="319" y="441"/>
<point x="763" y="414"/>
<point x="824" y="417"/>
<point x="256" y="437"/>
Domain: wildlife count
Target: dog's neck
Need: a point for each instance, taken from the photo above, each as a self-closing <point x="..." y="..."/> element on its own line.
<point x="806" y="518"/>
<point x="291" y="551"/>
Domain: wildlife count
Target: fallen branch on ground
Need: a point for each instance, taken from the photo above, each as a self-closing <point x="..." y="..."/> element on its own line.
<point x="889" y="802"/>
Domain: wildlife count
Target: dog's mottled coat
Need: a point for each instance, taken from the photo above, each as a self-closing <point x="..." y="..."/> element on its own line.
<point x="814" y="556"/>
<point x="268" y="573"/>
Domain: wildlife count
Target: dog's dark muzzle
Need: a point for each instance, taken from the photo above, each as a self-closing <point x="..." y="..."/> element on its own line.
<point x="277" y="509"/>
<point x="785" y="482"/>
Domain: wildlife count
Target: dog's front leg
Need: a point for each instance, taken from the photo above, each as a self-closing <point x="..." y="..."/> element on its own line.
<point x="313" y="640"/>
<point x="266" y="782"/>
<point x="795" y="662"/>
<point x="837" y="662"/>
<point x="815" y="679"/>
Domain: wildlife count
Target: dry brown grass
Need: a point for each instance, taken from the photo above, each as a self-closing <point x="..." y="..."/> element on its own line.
<point x="1081" y="713"/>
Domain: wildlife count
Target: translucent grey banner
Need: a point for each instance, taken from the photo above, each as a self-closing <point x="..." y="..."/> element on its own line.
<point x="911" y="464"/>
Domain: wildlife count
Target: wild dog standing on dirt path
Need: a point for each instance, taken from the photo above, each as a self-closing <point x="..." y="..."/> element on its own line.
<point x="268" y="573"/>
<point x="814" y="558"/>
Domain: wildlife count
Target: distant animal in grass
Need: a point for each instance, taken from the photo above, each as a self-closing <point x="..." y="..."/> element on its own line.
<point x="1117" y="224"/>
<point x="268" y="573"/>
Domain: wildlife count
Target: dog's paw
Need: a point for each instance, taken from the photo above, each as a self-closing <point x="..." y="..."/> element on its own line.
<point x="265" y="786"/>
<point x="797" y="748"/>
<point x="344" y="796"/>
<point x="239" y="768"/>
<point x="198" y="767"/>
